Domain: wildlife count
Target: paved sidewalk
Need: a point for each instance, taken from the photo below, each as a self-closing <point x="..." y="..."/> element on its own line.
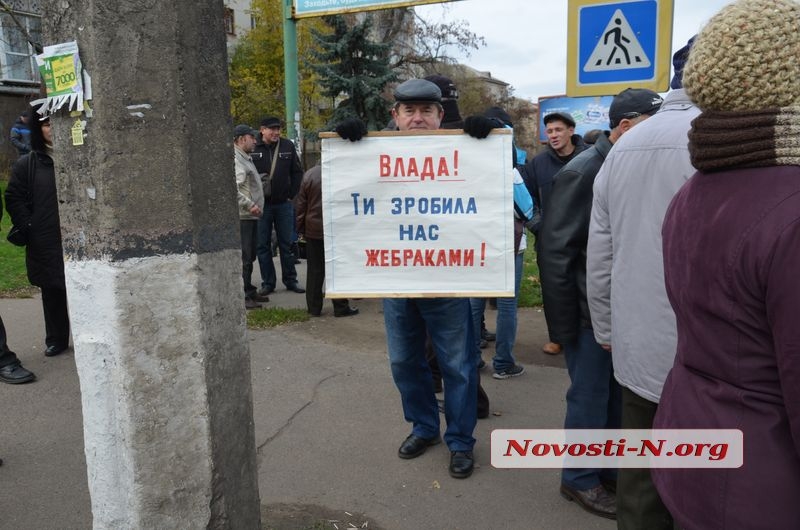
<point x="328" y="424"/>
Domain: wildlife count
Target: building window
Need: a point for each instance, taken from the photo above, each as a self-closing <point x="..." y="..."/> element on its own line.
<point x="228" y="19"/>
<point x="16" y="53"/>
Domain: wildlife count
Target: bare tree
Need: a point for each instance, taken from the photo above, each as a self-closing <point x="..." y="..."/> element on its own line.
<point x="420" y="46"/>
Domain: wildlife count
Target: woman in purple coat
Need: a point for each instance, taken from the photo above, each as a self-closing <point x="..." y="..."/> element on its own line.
<point x="732" y="271"/>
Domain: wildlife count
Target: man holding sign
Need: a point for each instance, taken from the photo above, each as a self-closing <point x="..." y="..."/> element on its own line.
<point x="418" y="107"/>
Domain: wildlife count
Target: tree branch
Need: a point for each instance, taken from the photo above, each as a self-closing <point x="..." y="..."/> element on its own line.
<point x="37" y="46"/>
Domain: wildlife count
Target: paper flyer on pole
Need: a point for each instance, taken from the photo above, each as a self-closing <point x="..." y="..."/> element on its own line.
<point x="418" y="215"/>
<point x="63" y="77"/>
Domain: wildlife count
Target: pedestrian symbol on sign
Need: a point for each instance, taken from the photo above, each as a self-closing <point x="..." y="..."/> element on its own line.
<point x="617" y="48"/>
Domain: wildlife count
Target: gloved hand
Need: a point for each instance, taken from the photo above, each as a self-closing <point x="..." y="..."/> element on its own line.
<point x="351" y="129"/>
<point x="480" y="126"/>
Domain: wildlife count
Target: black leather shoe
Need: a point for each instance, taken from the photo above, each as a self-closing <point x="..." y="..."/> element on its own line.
<point x="249" y="303"/>
<point x="413" y="446"/>
<point x="264" y="291"/>
<point x="350" y="311"/>
<point x="15" y="374"/>
<point x="596" y="501"/>
<point x="295" y="288"/>
<point x="461" y="464"/>
<point x="54" y="349"/>
<point x="260" y="297"/>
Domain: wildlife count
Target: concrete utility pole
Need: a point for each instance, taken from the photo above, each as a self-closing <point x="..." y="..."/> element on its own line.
<point x="150" y="227"/>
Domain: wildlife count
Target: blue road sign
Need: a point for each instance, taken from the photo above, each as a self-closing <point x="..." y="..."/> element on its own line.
<point x="614" y="43"/>
<point x="600" y="31"/>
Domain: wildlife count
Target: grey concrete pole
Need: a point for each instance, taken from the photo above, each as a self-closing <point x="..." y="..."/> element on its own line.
<point x="153" y="262"/>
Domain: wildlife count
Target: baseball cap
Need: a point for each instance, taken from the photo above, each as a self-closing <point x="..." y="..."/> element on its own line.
<point x="632" y="103"/>
<point x="445" y="84"/>
<point x="417" y="90"/>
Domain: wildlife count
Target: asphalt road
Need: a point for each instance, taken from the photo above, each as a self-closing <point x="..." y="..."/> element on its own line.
<point x="328" y="423"/>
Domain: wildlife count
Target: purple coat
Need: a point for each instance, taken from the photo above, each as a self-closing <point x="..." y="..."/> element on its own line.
<point x="732" y="271"/>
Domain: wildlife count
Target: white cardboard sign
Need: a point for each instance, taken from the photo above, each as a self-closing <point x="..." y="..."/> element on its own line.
<point x="418" y="215"/>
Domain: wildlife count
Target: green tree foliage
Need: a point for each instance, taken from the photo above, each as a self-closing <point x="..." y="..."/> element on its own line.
<point x="257" y="70"/>
<point x="352" y="66"/>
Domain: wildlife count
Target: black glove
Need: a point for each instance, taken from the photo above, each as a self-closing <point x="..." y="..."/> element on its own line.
<point x="351" y="129"/>
<point x="480" y="126"/>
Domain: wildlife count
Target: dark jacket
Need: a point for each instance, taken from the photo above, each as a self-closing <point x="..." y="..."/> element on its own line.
<point x="564" y="235"/>
<point x="43" y="255"/>
<point x="538" y="174"/>
<point x="288" y="170"/>
<point x="308" y="205"/>
<point x="21" y="137"/>
<point x="731" y="256"/>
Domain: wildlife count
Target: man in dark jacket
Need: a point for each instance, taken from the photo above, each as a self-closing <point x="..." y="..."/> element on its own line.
<point x="593" y="399"/>
<point x="309" y="223"/>
<point x="562" y="146"/>
<point x="281" y="172"/>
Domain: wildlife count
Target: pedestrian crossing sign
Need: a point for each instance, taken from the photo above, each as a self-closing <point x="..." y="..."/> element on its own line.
<point x="617" y="44"/>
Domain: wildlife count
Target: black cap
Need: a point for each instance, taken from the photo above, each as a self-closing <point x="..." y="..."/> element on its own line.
<point x="417" y="90"/>
<point x="445" y="84"/>
<point x="242" y="129"/>
<point x="632" y="103"/>
<point x="559" y="116"/>
<point x="499" y="114"/>
<point x="271" y="121"/>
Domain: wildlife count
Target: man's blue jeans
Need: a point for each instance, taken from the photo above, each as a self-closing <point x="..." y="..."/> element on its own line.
<point x="448" y="321"/>
<point x="506" y="329"/>
<point x="282" y="216"/>
<point x="594" y="401"/>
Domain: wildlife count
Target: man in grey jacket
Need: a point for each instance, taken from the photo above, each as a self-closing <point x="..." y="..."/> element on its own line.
<point x="630" y="312"/>
<point x="251" y="203"/>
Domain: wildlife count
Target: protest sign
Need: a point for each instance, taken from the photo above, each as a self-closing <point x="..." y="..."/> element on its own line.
<point x="423" y="214"/>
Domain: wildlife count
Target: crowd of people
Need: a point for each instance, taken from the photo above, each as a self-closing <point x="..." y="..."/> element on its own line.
<point x="666" y="251"/>
<point x="666" y="245"/>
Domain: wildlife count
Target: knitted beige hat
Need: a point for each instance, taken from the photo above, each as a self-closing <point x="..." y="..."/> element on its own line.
<point x="747" y="57"/>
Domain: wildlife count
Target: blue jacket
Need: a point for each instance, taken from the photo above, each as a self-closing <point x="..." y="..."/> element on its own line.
<point x="21" y="137"/>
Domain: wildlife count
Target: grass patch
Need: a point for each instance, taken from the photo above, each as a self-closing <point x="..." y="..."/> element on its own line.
<point x="13" y="276"/>
<point x="269" y="317"/>
<point x="530" y="290"/>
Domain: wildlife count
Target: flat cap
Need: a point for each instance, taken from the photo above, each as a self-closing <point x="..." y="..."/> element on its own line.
<point x="417" y="90"/>
<point x="242" y="129"/>
<point x="559" y="116"/>
<point x="271" y="121"/>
